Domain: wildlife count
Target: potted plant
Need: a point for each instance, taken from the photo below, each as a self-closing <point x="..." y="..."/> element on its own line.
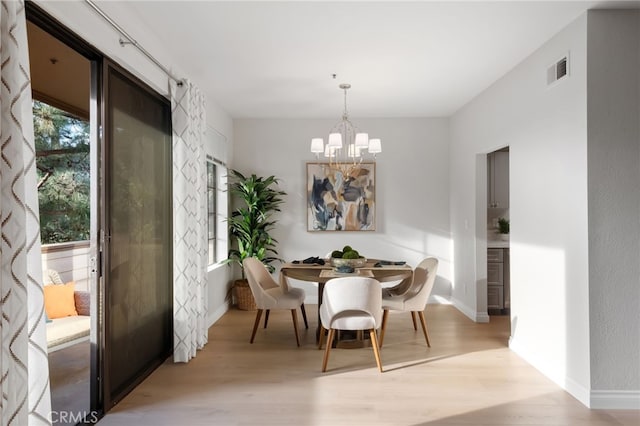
<point x="503" y="228"/>
<point x="250" y="224"/>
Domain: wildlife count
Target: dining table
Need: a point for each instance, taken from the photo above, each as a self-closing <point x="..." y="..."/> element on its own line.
<point x="383" y="271"/>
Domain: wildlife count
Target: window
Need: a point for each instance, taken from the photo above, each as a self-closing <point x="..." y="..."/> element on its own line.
<point x="211" y="210"/>
<point x="62" y="162"/>
<point x="216" y="210"/>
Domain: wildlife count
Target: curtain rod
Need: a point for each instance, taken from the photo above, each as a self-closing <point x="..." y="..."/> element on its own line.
<point x="132" y="41"/>
<point x="216" y="160"/>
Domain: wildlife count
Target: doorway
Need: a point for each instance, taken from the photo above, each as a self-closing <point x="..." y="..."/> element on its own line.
<point x="498" y="233"/>
<point x="126" y="250"/>
<point x="61" y="82"/>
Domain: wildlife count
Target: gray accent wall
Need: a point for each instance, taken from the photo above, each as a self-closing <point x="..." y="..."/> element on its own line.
<point x="613" y="149"/>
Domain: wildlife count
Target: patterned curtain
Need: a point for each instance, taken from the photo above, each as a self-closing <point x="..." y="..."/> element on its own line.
<point x="189" y="221"/>
<point x="24" y="380"/>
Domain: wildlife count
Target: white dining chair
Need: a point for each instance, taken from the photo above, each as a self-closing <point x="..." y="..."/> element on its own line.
<point x="414" y="298"/>
<point x="351" y="303"/>
<point x="269" y="295"/>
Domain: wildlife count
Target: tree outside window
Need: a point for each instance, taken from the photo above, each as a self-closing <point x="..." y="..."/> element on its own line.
<point x="62" y="161"/>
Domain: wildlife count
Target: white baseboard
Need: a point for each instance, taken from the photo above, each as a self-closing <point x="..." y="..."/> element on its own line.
<point x="594" y="399"/>
<point x="482" y="317"/>
<point x="576" y="390"/>
<point x="217" y="314"/>
<point x="553" y="373"/>
<point x="615" y="400"/>
<point x="472" y="314"/>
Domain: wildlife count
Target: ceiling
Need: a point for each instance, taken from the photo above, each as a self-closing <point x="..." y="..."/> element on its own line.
<point x="59" y="75"/>
<point x="403" y="59"/>
<point x="414" y="59"/>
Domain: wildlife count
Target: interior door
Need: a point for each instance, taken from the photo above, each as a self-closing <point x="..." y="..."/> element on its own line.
<point x="137" y="228"/>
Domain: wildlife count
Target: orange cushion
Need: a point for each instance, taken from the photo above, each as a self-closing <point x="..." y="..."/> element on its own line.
<point x="59" y="301"/>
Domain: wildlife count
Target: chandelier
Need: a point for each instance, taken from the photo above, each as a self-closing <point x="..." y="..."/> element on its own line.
<point x="346" y="145"/>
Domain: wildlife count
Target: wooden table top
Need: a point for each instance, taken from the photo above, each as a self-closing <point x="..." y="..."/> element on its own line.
<point x="313" y="273"/>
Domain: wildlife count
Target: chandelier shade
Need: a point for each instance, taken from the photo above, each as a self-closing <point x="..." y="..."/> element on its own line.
<point x="346" y="145"/>
<point x="362" y="140"/>
<point x="375" y="146"/>
<point x="317" y="145"/>
<point x="335" y="140"/>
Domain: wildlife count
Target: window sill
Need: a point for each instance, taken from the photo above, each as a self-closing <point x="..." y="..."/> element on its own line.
<point x="215" y="266"/>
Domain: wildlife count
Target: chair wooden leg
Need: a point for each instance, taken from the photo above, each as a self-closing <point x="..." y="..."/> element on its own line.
<point x="376" y="351"/>
<point x="266" y="317"/>
<point x="294" y="316"/>
<point x="325" y="359"/>
<point x="413" y="318"/>
<point x="255" y="325"/>
<point x="320" y="337"/>
<point x="424" y="327"/>
<point x="385" y="315"/>
<point x="304" y="316"/>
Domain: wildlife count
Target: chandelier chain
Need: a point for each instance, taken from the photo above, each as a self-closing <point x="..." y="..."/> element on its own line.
<point x="345" y="114"/>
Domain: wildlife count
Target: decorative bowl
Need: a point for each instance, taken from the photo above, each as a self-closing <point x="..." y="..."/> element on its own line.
<point x="354" y="263"/>
<point x="345" y="269"/>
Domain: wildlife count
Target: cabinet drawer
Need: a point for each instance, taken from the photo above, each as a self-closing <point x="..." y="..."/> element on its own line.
<point x="495" y="255"/>
<point x="495" y="274"/>
<point x="495" y="297"/>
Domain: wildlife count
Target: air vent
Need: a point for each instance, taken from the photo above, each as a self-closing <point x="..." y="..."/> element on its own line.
<point x="561" y="68"/>
<point x="558" y="70"/>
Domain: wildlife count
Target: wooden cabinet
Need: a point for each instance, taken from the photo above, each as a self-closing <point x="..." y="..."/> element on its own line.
<point x="495" y="255"/>
<point x="495" y="273"/>
<point x="495" y="297"/>
<point x="498" y="179"/>
<point x="498" y="290"/>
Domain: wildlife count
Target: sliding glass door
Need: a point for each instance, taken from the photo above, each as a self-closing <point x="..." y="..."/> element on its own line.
<point x="138" y="232"/>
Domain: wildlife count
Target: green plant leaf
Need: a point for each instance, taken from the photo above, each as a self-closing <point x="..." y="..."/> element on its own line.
<point x="250" y="224"/>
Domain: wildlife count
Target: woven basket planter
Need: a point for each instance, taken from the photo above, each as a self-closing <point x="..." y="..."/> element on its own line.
<point x="243" y="296"/>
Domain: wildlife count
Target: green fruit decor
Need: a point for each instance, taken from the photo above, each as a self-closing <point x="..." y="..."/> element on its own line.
<point x="347" y="257"/>
<point x="351" y="255"/>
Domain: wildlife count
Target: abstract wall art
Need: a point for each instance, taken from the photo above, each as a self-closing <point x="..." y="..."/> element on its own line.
<point x="340" y="201"/>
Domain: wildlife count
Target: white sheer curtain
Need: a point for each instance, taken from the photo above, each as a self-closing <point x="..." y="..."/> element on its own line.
<point x="189" y="221"/>
<point x="24" y="369"/>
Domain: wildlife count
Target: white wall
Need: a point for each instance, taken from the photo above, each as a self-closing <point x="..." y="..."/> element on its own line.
<point x="614" y="205"/>
<point x="412" y="189"/>
<point x="81" y="19"/>
<point x="545" y="129"/>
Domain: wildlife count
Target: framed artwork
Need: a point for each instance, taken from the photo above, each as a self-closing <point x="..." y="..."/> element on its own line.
<point x="341" y="200"/>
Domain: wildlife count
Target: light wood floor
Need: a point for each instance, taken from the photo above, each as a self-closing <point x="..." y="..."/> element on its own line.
<point x="468" y="377"/>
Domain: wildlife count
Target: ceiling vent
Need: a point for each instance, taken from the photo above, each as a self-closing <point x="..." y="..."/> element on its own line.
<point x="558" y="70"/>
